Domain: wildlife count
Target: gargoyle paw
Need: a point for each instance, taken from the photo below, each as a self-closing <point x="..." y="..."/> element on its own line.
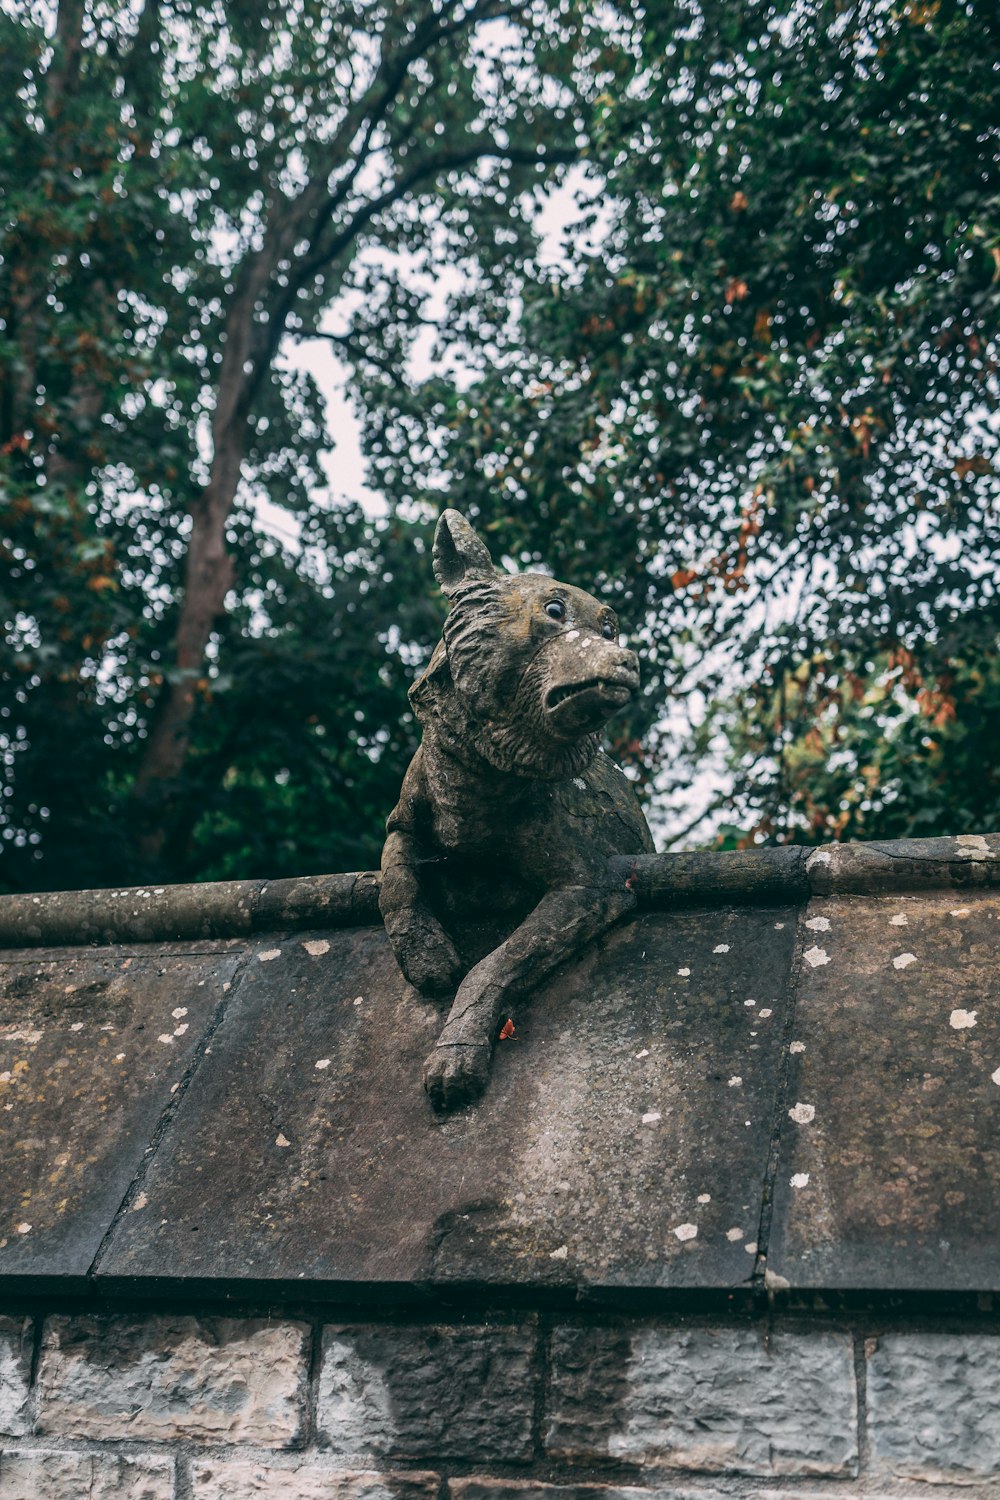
<point x="456" y="1074"/>
<point x="432" y="966"/>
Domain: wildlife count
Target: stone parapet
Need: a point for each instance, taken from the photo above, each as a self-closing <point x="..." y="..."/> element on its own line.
<point x="724" y="1225"/>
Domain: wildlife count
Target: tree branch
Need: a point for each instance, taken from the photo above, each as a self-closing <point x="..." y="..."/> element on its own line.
<point x="268" y="335"/>
<point x="349" y="343"/>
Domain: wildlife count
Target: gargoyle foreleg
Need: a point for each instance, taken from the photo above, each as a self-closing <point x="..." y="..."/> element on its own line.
<point x="424" y="951"/>
<point x="560" y="925"/>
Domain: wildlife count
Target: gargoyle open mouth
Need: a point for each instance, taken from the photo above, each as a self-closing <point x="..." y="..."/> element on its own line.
<point x="614" y="690"/>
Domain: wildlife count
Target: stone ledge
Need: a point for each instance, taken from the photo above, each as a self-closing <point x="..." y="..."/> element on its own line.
<point x="229" y="909"/>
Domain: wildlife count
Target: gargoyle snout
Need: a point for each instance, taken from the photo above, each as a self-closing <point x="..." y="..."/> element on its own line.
<point x="627" y="662"/>
<point x="617" y="665"/>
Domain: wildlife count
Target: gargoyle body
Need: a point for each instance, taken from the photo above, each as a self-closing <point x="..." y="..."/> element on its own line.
<point x="509" y="779"/>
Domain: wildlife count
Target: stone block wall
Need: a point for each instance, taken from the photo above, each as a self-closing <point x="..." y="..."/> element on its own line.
<point x="549" y="1405"/>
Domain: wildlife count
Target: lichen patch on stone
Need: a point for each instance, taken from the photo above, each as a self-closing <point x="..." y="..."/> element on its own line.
<point x="973" y="846"/>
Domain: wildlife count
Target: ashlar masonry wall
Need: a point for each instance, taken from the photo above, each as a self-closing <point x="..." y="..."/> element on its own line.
<point x="171" y="1406"/>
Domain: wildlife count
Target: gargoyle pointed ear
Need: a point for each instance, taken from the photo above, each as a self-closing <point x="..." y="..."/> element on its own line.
<point x="458" y="552"/>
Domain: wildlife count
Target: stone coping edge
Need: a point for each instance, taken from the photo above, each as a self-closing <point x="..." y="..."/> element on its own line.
<point x="238" y="908"/>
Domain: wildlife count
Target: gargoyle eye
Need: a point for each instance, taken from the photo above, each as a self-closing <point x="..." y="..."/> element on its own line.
<point x="555" y="609"/>
<point x="608" y="630"/>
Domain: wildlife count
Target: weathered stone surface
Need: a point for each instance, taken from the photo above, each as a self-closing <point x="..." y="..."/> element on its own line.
<point x="91" y="1046"/>
<point x="963" y="864"/>
<point x="625" y="1146"/>
<point x="133" y="914"/>
<point x="304" y="1479"/>
<point x="711" y="1399"/>
<point x="45" y="1474"/>
<point x="709" y="877"/>
<point x="173" y="913"/>
<point x="685" y="878"/>
<point x="870" y="1491"/>
<point x="889" y="1172"/>
<point x="420" y="1392"/>
<point x="218" y="1380"/>
<point x="934" y="1406"/>
<point x="15" y="1373"/>
<point x="477" y="1488"/>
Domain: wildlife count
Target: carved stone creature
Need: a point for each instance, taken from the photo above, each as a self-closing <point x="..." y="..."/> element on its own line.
<point x="511" y="776"/>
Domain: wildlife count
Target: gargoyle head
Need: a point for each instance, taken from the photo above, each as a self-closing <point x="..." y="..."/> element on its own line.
<point x="529" y="669"/>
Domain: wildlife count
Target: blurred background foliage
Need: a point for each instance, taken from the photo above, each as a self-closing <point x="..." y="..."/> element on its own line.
<point x="753" y="401"/>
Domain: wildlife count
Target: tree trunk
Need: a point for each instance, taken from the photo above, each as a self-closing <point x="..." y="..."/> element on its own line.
<point x="208" y="576"/>
<point x="255" y="322"/>
<point x="250" y="341"/>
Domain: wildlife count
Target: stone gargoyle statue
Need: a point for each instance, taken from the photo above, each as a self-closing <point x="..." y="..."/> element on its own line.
<point x="509" y="775"/>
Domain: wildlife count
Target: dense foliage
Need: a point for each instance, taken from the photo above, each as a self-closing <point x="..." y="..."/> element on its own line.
<point x="186" y="189"/>
<point x="754" y="402"/>
<point x="764" y="409"/>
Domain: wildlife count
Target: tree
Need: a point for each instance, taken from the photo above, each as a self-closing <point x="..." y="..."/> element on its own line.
<point x="754" y="404"/>
<point x="763" y="411"/>
<point x="191" y="186"/>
